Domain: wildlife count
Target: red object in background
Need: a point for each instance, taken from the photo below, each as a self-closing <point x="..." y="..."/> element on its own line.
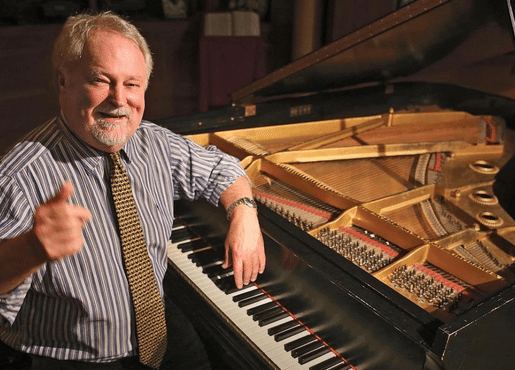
<point x="228" y="63"/>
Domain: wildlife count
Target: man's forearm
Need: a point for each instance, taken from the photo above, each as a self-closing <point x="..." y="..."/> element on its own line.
<point x="18" y="260"/>
<point x="239" y="189"/>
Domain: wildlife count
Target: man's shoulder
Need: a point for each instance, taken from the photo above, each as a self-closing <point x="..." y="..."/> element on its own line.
<point x="31" y="147"/>
<point x="148" y="129"/>
<point x="148" y="126"/>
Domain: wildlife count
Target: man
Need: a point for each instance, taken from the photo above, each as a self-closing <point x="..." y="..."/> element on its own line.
<point x="64" y="294"/>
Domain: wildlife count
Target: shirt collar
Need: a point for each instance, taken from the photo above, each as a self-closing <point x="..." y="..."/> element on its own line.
<point x="129" y="148"/>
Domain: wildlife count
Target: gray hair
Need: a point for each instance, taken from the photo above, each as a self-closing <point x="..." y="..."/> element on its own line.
<point x="77" y="30"/>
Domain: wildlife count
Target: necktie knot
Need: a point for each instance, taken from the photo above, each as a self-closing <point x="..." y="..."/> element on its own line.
<point x="115" y="159"/>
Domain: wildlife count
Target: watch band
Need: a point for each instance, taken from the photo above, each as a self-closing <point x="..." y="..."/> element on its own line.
<point x="249" y="202"/>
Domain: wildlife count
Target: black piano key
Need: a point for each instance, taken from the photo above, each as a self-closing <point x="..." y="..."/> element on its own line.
<point x="192" y="245"/>
<point x="283" y="327"/>
<point x="178" y="222"/>
<point x="215" y="270"/>
<point x="330" y="364"/>
<point x="216" y="242"/>
<point x="252" y="300"/>
<point x="300" y="342"/>
<point x="210" y="253"/>
<point x="231" y="286"/>
<point x="205" y="257"/>
<point x="249" y="294"/>
<point x="265" y="314"/>
<point x="304" y="359"/>
<point x="307" y="348"/>
<point x="225" y="273"/>
<point x="225" y="283"/>
<point x="261" y="308"/>
<point x="341" y="367"/>
<point x="183" y="234"/>
<point x="201" y="229"/>
<point x="273" y="318"/>
<point x="289" y="333"/>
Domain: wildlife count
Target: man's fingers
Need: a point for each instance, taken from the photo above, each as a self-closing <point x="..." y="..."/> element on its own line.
<point x="247" y="272"/>
<point x="255" y="271"/>
<point x="227" y="261"/>
<point x="261" y="258"/>
<point x="83" y="214"/>
<point x="63" y="194"/>
<point x="237" y="268"/>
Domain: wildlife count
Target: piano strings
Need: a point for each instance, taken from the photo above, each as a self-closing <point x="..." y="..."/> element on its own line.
<point x="478" y="253"/>
<point x="429" y="285"/>
<point x="300" y="209"/>
<point x="364" y="249"/>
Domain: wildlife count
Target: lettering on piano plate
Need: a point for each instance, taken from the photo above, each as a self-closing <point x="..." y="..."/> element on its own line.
<point x="301" y="110"/>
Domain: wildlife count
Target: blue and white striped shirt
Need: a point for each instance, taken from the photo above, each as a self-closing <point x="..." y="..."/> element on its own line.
<point x="79" y="308"/>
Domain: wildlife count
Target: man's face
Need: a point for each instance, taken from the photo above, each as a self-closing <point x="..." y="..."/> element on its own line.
<point x="103" y="96"/>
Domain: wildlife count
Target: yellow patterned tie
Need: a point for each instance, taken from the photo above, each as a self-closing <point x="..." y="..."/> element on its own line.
<point x="147" y="302"/>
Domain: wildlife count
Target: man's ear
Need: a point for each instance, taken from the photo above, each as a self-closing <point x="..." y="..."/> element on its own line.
<point x="61" y="81"/>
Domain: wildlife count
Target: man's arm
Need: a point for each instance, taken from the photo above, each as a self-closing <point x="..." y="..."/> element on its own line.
<point x="57" y="233"/>
<point x="244" y="247"/>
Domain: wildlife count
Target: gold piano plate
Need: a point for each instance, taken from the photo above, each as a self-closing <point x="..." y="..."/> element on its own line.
<point x="400" y="193"/>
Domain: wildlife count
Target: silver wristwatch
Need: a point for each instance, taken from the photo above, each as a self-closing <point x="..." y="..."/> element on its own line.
<point x="249" y="202"/>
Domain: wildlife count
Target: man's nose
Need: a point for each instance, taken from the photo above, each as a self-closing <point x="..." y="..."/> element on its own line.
<point x="117" y="95"/>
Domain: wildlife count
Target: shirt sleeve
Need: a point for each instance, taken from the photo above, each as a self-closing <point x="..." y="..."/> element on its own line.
<point x="10" y="303"/>
<point x="202" y="172"/>
<point x="15" y="218"/>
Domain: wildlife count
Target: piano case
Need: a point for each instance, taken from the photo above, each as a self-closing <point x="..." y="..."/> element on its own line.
<point x="385" y="199"/>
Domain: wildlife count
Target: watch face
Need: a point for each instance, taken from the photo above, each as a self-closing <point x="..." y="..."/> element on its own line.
<point x="250" y="202"/>
<point x="245" y="200"/>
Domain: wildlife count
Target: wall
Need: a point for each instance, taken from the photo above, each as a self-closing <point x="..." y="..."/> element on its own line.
<point x="345" y="16"/>
<point x="28" y="96"/>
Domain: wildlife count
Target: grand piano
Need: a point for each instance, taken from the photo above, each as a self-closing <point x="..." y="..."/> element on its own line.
<point x="385" y="197"/>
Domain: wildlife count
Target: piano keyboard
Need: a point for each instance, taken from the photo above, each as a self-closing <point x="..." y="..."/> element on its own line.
<point x="283" y="339"/>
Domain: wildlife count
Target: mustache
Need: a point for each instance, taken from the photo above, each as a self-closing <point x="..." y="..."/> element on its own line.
<point x="118" y="112"/>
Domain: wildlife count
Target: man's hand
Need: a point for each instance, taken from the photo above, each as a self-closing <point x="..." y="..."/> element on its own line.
<point x="57" y="233"/>
<point x="58" y="226"/>
<point x="244" y="248"/>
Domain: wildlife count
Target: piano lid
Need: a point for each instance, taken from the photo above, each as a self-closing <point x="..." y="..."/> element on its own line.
<point x="405" y="45"/>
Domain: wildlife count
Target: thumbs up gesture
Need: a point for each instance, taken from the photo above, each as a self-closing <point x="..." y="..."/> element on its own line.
<point x="58" y="225"/>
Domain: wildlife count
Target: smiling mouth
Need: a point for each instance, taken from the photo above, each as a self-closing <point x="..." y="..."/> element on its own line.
<point x="108" y="115"/>
<point x="113" y="113"/>
<point x="107" y="122"/>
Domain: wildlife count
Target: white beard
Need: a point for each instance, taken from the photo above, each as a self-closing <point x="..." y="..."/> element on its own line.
<point x="110" y="134"/>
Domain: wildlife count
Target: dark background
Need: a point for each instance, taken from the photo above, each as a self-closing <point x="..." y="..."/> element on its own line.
<point x="28" y="96"/>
